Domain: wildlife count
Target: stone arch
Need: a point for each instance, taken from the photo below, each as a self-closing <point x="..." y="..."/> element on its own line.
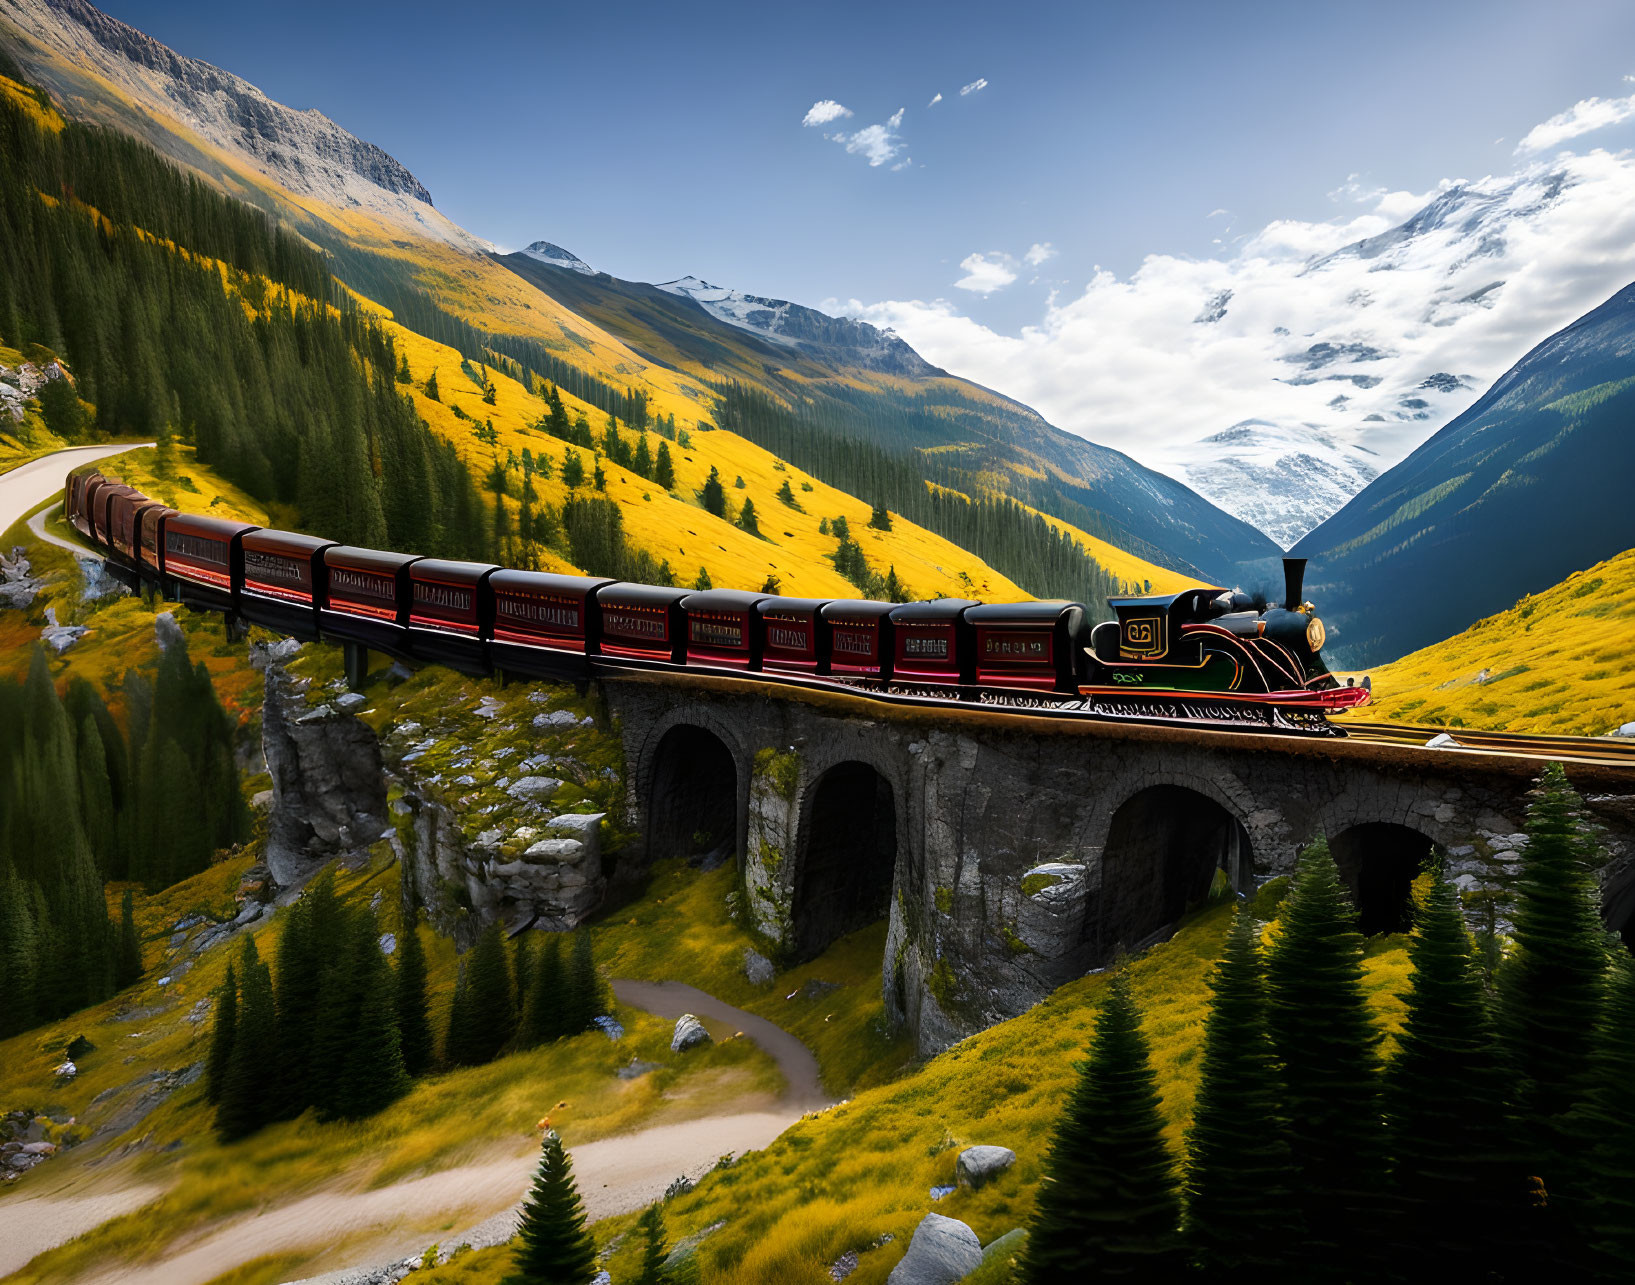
<point x="691" y="790"/>
<point x="1164" y="844"/>
<point x="845" y="855"/>
<point x="1378" y="862"/>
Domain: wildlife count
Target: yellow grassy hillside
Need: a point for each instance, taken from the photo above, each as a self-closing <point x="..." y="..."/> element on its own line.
<point x="1560" y="661"/>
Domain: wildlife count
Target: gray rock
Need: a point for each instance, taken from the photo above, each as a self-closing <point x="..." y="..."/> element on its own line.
<point x="351" y="702"/>
<point x="399" y="673"/>
<point x="1628" y="729"/>
<point x="96" y="581"/>
<point x="488" y="707"/>
<point x="690" y="1033"/>
<point x="167" y="630"/>
<point x="556" y="718"/>
<point x="261" y="800"/>
<point x="943" y="1251"/>
<point x="636" y="1070"/>
<point x="60" y="637"/>
<point x="575" y="825"/>
<point x="250" y="912"/>
<point x="977" y="1165"/>
<point x="757" y="967"/>
<point x="534" y="788"/>
<point x="558" y="851"/>
<point x="388" y="943"/>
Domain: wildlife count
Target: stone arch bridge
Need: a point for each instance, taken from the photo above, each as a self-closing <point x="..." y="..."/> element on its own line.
<point x="1012" y="854"/>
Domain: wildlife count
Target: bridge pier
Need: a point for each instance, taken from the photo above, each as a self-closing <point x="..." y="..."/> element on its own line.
<point x="1011" y="855"/>
<point x="355" y="658"/>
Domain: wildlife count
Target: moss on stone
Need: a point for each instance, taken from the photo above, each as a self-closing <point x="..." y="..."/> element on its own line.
<point x="780" y="768"/>
<point x="942" y="983"/>
<point x="1032" y="885"/>
<point x="944" y="898"/>
<point x="1014" y="943"/>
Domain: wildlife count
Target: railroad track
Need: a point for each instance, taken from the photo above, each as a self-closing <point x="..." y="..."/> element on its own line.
<point x="1618" y="751"/>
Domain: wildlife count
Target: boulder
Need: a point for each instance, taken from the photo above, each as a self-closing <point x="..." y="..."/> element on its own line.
<point x="943" y="1251"/>
<point x="388" y="943"/>
<point x="534" y="789"/>
<point x="575" y="825"/>
<point x="60" y="637"/>
<point x="97" y="582"/>
<point x="556" y="718"/>
<point x="757" y="967"/>
<point x="351" y="702"/>
<point x="690" y="1033"/>
<point x="977" y="1165"/>
<point x="1628" y="729"/>
<point x="558" y="851"/>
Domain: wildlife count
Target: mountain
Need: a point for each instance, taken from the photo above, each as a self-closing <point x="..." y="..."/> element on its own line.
<point x="1528" y="485"/>
<point x="554" y="256"/>
<point x="1341" y="363"/>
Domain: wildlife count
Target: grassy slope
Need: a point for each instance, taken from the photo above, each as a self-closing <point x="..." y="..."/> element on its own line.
<point x="1558" y="661"/>
<point x="839" y="1179"/>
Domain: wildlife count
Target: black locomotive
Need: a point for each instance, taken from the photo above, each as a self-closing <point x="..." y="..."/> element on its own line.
<point x="1206" y="656"/>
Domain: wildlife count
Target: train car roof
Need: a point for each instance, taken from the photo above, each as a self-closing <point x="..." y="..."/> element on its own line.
<point x="444" y="569"/>
<point x="285" y="542"/>
<point x="936" y="609"/>
<point x="1038" y="612"/>
<point x="795" y="606"/>
<point x="843" y="607"/>
<point x="548" y="581"/>
<point x="360" y="559"/>
<point x="628" y="593"/>
<point x="216" y="528"/>
<point x="722" y="600"/>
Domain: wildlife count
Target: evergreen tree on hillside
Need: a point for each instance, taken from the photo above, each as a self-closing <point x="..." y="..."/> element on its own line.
<point x="1457" y="1186"/>
<point x="582" y="996"/>
<point x="221" y="1038"/>
<point x="1603" y="1197"/>
<point x="491" y="1015"/>
<point x="880" y="518"/>
<point x="1550" y="988"/>
<point x="370" y="1075"/>
<point x="1326" y="1039"/>
<point x="573" y="470"/>
<point x="128" y="960"/>
<point x="712" y="495"/>
<point x="413" y="1009"/>
<point x="1108" y="1206"/>
<point x="1240" y="1200"/>
<point x="553" y="1247"/>
<point x="703" y="581"/>
<point x="311" y="943"/>
<point x="664" y="470"/>
<point x="747" y="519"/>
<point x="432" y="390"/>
<point x="787" y="496"/>
<point x="96" y="798"/>
<point x="458" y="1040"/>
<point x="248" y="1090"/>
<point x="642" y="464"/>
<point x="655" y="1247"/>
<point x="542" y="1016"/>
<point x="522" y="971"/>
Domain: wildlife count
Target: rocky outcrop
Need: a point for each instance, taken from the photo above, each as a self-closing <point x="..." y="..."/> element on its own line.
<point x="689" y="1033"/>
<point x="328" y="780"/>
<point x="979" y="1165"/>
<point x="944" y="1250"/>
<point x="20" y="383"/>
<point x="18" y="584"/>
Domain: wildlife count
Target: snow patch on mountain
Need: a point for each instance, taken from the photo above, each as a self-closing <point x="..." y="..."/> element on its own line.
<point x="765" y="317"/>
<point x="556" y="257"/>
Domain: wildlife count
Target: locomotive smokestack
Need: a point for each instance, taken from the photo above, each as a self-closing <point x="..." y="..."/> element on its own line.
<point x="1294" y="576"/>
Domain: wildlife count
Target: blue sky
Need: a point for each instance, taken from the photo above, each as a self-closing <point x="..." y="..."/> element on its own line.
<point x="656" y="140"/>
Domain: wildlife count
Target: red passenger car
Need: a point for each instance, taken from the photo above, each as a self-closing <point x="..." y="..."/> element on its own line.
<point x="643" y="622"/>
<point x="723" y="628"/>
<point x="203" y="559"/>
<point x="448" y="607"/>
<point x="283" y="580"/>
<point x="860" y="634"/>
<point x="365" y="598"/>
<point x="794" y="635"/>
<point x="150" y="549"/>
<point x="933" y="643"/>
<point x="1035" y="645"/>
<point x="545" y="626"/>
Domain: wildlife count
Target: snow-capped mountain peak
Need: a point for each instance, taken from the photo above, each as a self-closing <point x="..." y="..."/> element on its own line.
<point x="764" y="317"/>
<point x="556" y="257"/>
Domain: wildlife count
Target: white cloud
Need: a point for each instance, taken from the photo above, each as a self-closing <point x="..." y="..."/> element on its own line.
<point x="875" y="143"/>
<point x="985" y="273"/>
<point x="1135" y="362"/>
<point x="1583" y="117"/>
<point x="902" y="164"/>
<point x="823" y="111"/>
<point x="976" y="86"/>
<point x="935" y="100"/>
<point x="1038" y="253"/>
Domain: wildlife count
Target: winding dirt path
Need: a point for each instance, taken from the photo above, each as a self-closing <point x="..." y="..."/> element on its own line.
<point x="615" y="1175"/>
<point x="29" y="484"/>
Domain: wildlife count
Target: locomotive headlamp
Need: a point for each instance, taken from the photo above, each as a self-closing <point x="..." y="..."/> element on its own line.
<point x="1316" y="635"/>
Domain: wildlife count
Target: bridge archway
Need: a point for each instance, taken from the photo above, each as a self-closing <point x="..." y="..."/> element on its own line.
<point x="1164" y="845"/>
<point x="692" y="795"/>
<point x="845" y="856"/>
<point x="1379" y="861"/>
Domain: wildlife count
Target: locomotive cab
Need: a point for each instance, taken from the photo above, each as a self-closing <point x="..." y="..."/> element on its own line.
<point x="545" y="626"/>
<point x="283" y="582"/>
<point x="450" y="609"/>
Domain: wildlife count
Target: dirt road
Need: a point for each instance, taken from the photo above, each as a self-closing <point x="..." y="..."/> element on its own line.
<point x="38" y="480"/>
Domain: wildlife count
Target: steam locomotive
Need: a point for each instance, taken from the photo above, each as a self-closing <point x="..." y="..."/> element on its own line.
<point x="1206" y="657"/>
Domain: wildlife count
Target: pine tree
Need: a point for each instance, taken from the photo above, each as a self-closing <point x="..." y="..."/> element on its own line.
<point x="1550" y="988"/>
<point x="654" y="1247"/>
<point x="457" y="1037"/>
<point x="1240" y="1177"/>
<point x="371" y="1075"/>
<point x="582" y="994"/>
<point x="403" y="375"/>
<point x="573" y="470"/>
<point x="787" y="496"/>
<point x="247" y="1095"/>
<point x="221" y="1037"/>
<point x="542" y="1016"/>
<point x="713" y="495"/>
<point x="128" y="962"/>
<point x="747" y="519"/>
<point x="413" y="1010"/>
<point x="431" y="388"/>
<point x="1108" y="1206"/>
<point x="703" y="581"/>
<point x="880" y="518"/>
<point x="664" y="471"/>
<point x="488" y="995"/>
<point x="1604" y="1193"/>
<point x="522" y="972"/>
<point x="1457" y="1193"/>
<point x="1328" y="1044"/>
<point x="553" y="1247"/>
<point x="642" y="464"/>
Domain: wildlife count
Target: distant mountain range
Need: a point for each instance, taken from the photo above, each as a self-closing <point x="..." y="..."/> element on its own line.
<point x="1530" y="484"/>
